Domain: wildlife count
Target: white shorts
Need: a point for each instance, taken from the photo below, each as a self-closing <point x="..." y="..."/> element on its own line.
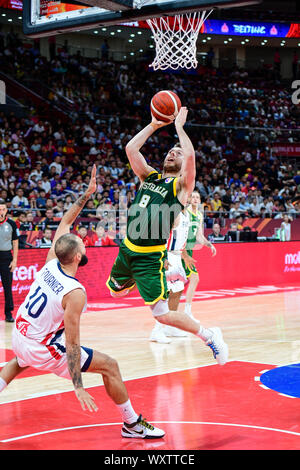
<point x="51" y="358"/>
<point x="175" y="275"/>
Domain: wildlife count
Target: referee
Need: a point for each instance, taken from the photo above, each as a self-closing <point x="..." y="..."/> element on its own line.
<point x="9" y="242"/>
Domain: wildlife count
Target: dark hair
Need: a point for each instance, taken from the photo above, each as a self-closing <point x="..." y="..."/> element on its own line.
<point x="3" y="203"/>
<point x="66" y="248"/>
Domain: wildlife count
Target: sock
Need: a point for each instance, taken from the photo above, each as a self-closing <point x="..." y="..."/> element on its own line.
<point x="3" y="384"/>
<point x="188" y="308"/>
<point x="204" y="333"/>
<point x="128" y="414"/>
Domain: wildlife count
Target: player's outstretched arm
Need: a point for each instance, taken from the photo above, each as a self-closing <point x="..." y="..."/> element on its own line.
<point x="186" y="181"/>
<point x="69" y="217"/>
<point x="73" y="304"/>
<point x="204" y="241"/>
<point x="137" y="161"/>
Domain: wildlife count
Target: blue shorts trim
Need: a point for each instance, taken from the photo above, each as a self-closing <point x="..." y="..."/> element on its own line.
<point x="87" y="363"/>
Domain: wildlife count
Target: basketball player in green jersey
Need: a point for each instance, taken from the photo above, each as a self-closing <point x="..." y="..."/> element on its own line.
<point x="196" y="235"/>
<point x="142" y="254"/>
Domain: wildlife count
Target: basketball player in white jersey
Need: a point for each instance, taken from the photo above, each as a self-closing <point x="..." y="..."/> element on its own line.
<point x="46" y="333"/>
<point x="175" y="276"/>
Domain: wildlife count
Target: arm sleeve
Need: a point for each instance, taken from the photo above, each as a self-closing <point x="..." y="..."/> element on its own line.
<point x="15" y="231"/>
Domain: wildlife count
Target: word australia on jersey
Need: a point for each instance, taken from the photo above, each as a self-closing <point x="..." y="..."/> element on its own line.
<point x="153" y="211"/>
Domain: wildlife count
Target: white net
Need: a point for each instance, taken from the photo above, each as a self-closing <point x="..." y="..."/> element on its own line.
<point x="176" y="40"/>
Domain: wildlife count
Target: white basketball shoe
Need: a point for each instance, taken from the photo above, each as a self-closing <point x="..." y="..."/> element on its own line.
<point x="141" y="429"/>
<point x="158" y="335"/>
<point x="218" y="346"/>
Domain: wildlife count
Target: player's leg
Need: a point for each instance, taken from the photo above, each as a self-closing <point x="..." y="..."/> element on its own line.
<point x="173" y="303"/>
<point x="120" y="281"/>
<point x="176" y="278"/>
<point x="9" y="372"/>
<point x="134" y="425"/>
<point x="211" y="336"/>
<point x="193" y="283"/>
<point x="193" y="278"/>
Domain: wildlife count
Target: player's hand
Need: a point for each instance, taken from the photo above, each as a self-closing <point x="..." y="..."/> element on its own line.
<point x="189" y="261"/>
<point x="86" y="400"/>
<point x="12" y="266"/>
<point x="157" y="124"/>
<point x="213" y="250"/>
<point x="181" y="117"/>
<point x="167" y="265"/>
<point x="93" y="182"/>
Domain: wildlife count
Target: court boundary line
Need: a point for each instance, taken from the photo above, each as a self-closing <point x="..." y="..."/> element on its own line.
<point x="251" y="426"/>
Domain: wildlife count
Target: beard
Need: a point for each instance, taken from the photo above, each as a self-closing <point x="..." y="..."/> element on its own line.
<point x="172" y="167"/>
<point x="84" y="260"/>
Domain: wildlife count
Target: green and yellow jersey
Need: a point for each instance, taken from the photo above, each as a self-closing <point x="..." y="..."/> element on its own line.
<point x="152" y="214"/>
<point x="196" y="221"/>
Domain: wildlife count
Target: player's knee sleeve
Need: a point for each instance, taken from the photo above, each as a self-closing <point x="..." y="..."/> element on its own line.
<point x="160" y="308"/>
<point x="123" y="293"/>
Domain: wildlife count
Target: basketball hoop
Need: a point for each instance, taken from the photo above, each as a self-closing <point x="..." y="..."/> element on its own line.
<point x="176" y="38"/>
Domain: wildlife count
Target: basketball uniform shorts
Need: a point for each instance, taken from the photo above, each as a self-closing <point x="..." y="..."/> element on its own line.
<point x="193" y="269"/>
<point x="51" y="357"/>
<point x="175" y="275"/>
<point x="144" y="270"/>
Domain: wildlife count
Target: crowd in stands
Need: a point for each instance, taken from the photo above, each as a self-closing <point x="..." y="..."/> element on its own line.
<point x="234" y="118"/>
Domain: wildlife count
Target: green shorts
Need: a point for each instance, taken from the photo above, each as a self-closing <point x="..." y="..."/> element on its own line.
<point x="189" y="271"/>
<point x="141" y="267"/>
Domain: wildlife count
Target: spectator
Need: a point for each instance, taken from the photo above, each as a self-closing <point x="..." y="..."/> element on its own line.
<point x="46" y="240"/>
<point x="233" y="233"/>
<point x="285" y="233"/>
<point x="100" y="238"/>
<point x="29" y="223"/>
<point x="255" y="207"/>
<point x="216" y="203"/>
<point x="83" y="234"/>
<point x="22" y="162"/>
<point x="235" y="180"/>
<point x="244" y="205"/>
<point x="215" y="235"/>
<point x="235" y="210"/>
<point x="227" y="200"/>
<point x="19" y="200"/>
<point x="41" y="200"/>
<point x="49" y="221"/>
<point x="121" y="234"/>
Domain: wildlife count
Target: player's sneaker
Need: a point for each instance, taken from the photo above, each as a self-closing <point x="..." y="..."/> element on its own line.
<point x="158" y="335"/>
<point x="218" y="346"/>
<point x="141" y="429"/>
<point x="172" y="331"/>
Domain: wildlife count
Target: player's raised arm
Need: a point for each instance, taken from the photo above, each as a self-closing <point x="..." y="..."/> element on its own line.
<point x="137" y="161"/>
<point x="69" y="217"/>
<point x="186" y="181"/>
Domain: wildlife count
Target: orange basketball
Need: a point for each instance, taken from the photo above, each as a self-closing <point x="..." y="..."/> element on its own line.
<point x="165" y="105"/>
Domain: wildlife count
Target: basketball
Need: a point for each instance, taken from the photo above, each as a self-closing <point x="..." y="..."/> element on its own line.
<point x="165" y="105"/>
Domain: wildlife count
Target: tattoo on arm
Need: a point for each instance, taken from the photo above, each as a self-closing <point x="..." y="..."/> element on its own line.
<point x="73" y="357"/>
<point x="82" y="200"/>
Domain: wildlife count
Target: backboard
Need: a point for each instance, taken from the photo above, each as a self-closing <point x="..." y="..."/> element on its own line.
<point x="46" y="18"/>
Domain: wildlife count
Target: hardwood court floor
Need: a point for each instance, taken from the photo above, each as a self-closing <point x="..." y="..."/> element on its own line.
<point x="200" y="404"/>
